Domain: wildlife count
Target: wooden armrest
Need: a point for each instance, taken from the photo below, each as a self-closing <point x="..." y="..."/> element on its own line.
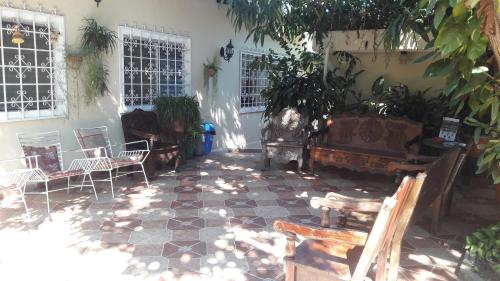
<point x="395" y="166"/>
<point x="340" y="202"/>
<point x="422" y="158"/>
<point x="148" y="136"/>
<point x="352" y="237"/>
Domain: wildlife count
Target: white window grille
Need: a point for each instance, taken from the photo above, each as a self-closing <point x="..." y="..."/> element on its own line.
<point x="153" y="64"/>
<point x="252" y="82"/>
<point x="32" y="78"/>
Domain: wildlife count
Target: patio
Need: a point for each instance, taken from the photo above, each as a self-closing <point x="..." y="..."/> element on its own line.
<point x="211" y="221"/>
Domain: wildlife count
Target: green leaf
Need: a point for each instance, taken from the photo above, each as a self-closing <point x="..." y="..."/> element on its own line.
<point x="439" y="13"/>
<point x="451" y="86"/>
<point x="424" y="57"/>
<point x="476" y="49"/>
<point x="439" y="68"/>
<point x="451" y="37"/>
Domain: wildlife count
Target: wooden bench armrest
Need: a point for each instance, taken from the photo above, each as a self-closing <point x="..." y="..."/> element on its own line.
<point x="339" y="202"/>
<point x="396" y="166"/>
<point x="144" y="135"/>
<point x="353" y="237"/>
<point x="422" y="158"/>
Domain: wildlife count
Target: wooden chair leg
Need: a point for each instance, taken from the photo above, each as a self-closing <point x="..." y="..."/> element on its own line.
<point x="436" y="213"/>
<point x="289" y="271"/>
<point x="325" y="218"/>
<point x="311" y="165"/>
<point x="381" y="274"/>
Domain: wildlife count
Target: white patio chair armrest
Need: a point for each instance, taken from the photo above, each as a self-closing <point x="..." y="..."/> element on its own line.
<point x="134" y="142"/>
<point x="85" y="164"/>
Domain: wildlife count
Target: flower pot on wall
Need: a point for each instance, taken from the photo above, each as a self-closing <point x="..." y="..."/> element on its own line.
<point x="211" y="72"/>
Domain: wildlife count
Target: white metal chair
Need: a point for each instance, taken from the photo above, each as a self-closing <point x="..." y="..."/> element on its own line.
<point x="44" y="155"/>
<point x="15" y="179"/>
<point x="96" y="144"/>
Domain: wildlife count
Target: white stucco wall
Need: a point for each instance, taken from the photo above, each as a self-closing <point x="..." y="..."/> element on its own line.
<point x="394" y="66"/>
<point x="202" y="20"/>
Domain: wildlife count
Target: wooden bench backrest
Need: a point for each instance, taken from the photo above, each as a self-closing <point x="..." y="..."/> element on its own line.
<point x="373" y="132"/>
<point x="144" y="121"/>
<point x="288" y="125"/>
<point x="390" y="225"/>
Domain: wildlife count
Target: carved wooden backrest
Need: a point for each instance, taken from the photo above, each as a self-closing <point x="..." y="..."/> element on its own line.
<point x="390" y="225"/>
<point x="144" y="121"/>
<point x="438" y="175"/>
<point x="373" y="132"/>
<point x="288" y="125"/>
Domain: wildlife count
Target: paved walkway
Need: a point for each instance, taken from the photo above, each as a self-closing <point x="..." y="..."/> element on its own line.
<point x="212" y="221"/>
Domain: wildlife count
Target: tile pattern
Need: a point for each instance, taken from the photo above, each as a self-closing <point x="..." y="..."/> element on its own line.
<point x="211" y="221"/>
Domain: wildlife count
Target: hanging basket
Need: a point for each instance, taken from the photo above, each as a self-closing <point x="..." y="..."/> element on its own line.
<point x="74" y="62"/>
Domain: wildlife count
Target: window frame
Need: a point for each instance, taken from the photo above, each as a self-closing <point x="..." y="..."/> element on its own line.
<point x="253" y="109"/>
<point x="57" y="54"/>
<point x="163" y="36"/>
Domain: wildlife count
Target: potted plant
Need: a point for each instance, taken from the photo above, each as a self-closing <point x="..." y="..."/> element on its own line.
<point x="212" y="66"/>
<point x="180" y="115"/>
<point x="97" y="40"/>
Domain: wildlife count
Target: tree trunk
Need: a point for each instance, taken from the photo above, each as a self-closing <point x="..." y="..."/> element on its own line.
<point x="494" y="36"/>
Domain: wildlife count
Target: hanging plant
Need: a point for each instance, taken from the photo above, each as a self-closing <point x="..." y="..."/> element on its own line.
<point x="97" y="40"/>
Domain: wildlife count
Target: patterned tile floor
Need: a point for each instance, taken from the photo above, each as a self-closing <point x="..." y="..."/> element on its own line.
<point x="211" y="221"/>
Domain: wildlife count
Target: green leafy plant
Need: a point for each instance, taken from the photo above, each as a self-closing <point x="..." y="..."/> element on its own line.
<point x="485" y="243"/>
<point x="97" y="40"/>
<point x="297" y="81"/>
<point x="467" y="53"/>
<point x="181" y="111"/>
<point x="212" y="68"/>
<point x="398" y="100"/>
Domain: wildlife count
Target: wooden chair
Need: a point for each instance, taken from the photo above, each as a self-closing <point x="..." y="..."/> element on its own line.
<point x="143" y="125"/>
<point x="284" y="138"/>
<point x="343" y="254"/>
<point x="441" y="174"/>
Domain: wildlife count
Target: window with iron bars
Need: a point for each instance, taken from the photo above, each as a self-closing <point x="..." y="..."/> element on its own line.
<point x="32" y="78"/>
<point x="252" y="82"/>
<point x="153" y="64"/>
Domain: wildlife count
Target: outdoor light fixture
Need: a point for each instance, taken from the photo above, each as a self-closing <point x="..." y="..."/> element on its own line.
<point x="98" y="2"/>
<point x="227" y="53"/>
<point x="17" y="35"/>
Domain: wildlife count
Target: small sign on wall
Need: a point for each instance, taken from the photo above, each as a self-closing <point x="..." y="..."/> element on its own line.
<point x="449" y="129"/>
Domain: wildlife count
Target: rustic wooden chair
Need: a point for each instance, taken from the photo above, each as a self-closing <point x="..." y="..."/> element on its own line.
<point x="343" y="254"/>
<point x="96" y="144"/>
<point x="143" y="125"/>
<point x="441" y="174"/>
<point x="284" y="138"/>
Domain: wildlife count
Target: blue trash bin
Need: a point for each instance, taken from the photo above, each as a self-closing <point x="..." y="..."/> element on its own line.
<point x="208" y="137"/>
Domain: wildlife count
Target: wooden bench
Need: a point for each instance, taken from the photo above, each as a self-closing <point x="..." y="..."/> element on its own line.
<point x="366" y="143"/>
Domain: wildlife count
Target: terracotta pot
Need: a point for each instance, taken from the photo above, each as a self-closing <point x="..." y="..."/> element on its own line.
<point x="211" y="72"/>
<point x="179" y="126"/>
<point x="475" y="151"/>
<point x="74" y="61"/>
<point x="497" y="187"/>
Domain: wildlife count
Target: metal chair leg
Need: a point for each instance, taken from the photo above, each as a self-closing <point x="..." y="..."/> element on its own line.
<point x="67" y="188"/>
<point x="145" y="177"/>
<point x="111" y="182"/>
<point x="93" y="186"/>
<point x="47" y="195"/>
<point x="24" y="202"/>
<point x="83" y="181"/>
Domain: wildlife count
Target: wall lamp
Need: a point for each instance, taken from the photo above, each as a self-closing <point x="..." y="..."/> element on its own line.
<point x="227" y="52"/>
